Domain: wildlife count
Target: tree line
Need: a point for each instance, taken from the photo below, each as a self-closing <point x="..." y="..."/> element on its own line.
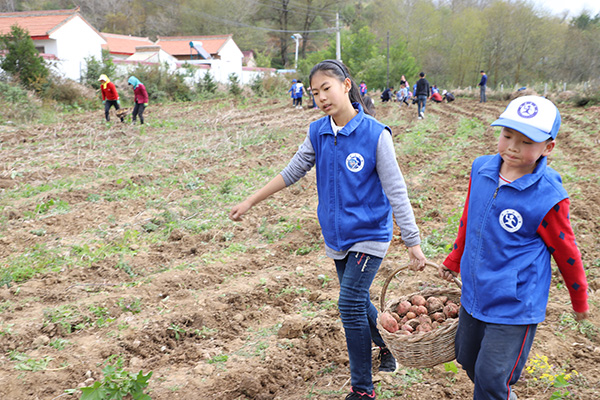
<point x="515" y="42"/>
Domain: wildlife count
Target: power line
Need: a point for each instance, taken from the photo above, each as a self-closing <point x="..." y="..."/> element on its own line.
<point x="298" y="8"/>
<point x="241" y="24"/>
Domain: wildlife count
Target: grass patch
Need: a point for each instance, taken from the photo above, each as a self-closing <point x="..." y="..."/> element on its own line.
<point x="35" y="261"/>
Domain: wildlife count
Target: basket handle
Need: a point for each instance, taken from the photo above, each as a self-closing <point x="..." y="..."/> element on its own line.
<point x="401" y="268"/>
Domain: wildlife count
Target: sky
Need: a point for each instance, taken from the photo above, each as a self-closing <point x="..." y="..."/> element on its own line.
<point x="574" y="6"/>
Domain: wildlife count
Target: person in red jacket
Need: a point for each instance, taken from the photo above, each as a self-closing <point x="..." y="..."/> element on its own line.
<point x="140" y="98"/>
<point x="110" y="97"/>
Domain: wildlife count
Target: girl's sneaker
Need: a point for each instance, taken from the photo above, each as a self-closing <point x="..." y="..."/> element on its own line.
<point x="355" y="395"/>
<point x="387" y="360"/>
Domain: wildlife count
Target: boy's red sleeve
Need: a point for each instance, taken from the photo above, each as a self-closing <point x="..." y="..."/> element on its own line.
<point x="557" y="234"/>
<point x="453" y="260"/>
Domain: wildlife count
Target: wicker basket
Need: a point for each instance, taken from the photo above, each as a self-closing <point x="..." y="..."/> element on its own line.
<point x="421" y="350"/>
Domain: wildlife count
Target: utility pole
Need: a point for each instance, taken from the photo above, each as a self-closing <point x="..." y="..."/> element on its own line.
<point x="388" y="60"/>
<point x="338" y="45"/>
<point x="296" y="37"/>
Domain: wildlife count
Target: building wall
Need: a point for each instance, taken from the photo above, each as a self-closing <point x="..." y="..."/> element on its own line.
<point x="49" y="45"/>
<point x="76" y="41"/>
<point x="230" y="62"/>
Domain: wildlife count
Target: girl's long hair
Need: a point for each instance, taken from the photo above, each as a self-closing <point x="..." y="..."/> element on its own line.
<point x="338" y="70"/>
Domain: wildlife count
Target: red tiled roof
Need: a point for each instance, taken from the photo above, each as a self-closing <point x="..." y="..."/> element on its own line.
<point x="180" y="45"/>
<point x="124" y="44"/>
<point x="39" y="24"/>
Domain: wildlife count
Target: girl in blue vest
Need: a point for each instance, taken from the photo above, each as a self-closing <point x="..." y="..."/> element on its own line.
<point x="359" y="186"/>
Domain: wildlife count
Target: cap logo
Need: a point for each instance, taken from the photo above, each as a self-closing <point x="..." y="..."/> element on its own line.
<point x="527" y="110"/>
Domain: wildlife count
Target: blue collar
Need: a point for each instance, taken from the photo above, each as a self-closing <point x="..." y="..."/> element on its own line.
<point x="349" y="127"/>
<point x="491" y="169"/>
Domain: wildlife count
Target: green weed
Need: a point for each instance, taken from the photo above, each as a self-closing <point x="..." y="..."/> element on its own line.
<point x="205" y="332"/>
<point x="177" y="331"/>
<point x="25" y="363"/>
<point x="219" y="359"/>
<point x="59" y="343"/>
<point x="117" y="383"/>
<point x="36" y="260"/>
<point x="133" y="305"/>
<point x="585" y="327"/>
<point x="68" y="317"/>
<point x="6" y="329"/>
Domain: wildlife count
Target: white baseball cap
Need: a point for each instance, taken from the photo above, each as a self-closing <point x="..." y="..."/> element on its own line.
<point x="534" y="116"/>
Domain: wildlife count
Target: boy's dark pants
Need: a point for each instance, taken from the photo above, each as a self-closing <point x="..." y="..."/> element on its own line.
<point x="107" y="105"/>
<point x="138" y="109"/>
<point x="493" y="355"/>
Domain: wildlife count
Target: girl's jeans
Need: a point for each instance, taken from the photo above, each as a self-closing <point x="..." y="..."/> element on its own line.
<point x="359" y="316"/>
<point x="493" y="355"/>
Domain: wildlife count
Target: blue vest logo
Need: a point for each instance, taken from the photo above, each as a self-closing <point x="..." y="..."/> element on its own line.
<point x="527" y="110"/>
<point x="511" y="220"/>
<point x="355" y="162"/>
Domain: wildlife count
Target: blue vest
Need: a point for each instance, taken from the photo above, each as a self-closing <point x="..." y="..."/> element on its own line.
<point x="505" y="268"/>
<point x="352" y="205"/>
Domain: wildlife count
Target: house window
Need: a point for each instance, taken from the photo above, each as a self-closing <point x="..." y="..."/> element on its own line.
<point x="40" y="49"/>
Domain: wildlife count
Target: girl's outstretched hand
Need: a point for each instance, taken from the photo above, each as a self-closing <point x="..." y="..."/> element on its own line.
<point x="417" y="258"/>
<point x="446" y="273"/>
<point x="236" y="212"/>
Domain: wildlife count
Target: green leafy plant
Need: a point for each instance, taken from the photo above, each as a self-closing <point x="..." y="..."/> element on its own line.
<point x="177" y="331"/>
<point x="59" y="343"/>
<point x="134" y="305"/>
<point x="117" y="384"/>
<point x="25" y="363"/>
<point x="220" y="358"/>
<point x="585" y="327"/>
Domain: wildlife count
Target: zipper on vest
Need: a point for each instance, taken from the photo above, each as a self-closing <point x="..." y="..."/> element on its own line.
<point x="496" y="192"/>
<point x="335" y="192"/>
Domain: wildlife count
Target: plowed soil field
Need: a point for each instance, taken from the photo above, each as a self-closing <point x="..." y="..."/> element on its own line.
<point x="115" y="241"/>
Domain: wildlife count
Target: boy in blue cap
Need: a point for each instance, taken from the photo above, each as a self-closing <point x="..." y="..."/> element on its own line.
<point x="516" y="215"/>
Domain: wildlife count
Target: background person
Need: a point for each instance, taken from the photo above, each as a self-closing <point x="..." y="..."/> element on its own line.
<point x="363" y="88"/>
<point x="292" y="92"/>
<point x="421" y="93"/>
<point x="387" y="94"/>
<point x="110" y="97"/>
<point x="299" y="93"/>
<point x="140" y="98"/>
<point x="482" y="87"/>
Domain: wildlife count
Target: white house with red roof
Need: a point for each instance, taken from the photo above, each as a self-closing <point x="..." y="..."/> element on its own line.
<point x="121" y="47"/>
<point x="219" y="52"/>
<point x="62" y="35"/>
<point x="127" y="50"/>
